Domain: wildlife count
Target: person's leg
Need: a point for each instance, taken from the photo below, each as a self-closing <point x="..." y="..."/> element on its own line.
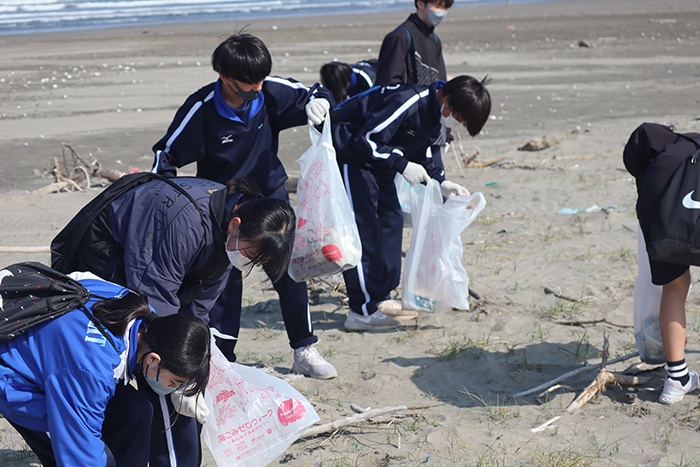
<point x="391" y="219"/>
<point x="294" y="304"/>
<point x="127" y="424"/>
<point x="366" y="283"/>
<point x="39" y="442"/>
<point x="175" y="439"/>
<point x="679" y="381"/>
<point x="225" y="315"/>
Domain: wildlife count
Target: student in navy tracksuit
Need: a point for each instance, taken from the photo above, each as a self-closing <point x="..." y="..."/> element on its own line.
<point x="345" y="80"/>
<point x="57" y="380"/>
<point x="377" y="134"/>
<point x="230" y="128"/>
<point x="175" y="241"/>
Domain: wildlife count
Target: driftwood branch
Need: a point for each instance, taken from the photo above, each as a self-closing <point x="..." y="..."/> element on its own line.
<point x="597" y="386"/>
<point x="594" y="321"/>
<point x="367" y="415"/>
<point x="573" y="373"/>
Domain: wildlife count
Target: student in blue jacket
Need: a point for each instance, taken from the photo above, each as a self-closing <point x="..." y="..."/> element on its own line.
<point x="378" y="134"/>
<point x="230" y="128"/>
<point x="57" y="380"/>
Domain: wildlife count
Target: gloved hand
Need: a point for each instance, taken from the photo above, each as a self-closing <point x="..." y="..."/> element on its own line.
<point x="190" y="406"/>
<point x="415" y="173"/>
<point x="317" y="109"/>
<point x="450" y="189"/>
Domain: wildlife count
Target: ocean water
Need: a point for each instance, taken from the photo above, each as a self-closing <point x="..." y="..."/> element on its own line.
<point x="35" y="16"/>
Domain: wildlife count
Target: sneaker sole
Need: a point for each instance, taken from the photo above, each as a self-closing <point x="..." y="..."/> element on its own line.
<point x="297" y="370"/>
<point x="364" y="327"/>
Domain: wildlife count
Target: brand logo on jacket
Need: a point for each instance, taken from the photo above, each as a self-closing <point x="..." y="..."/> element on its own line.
<point x="689" y="202"/>
<point x="227" y="139"/>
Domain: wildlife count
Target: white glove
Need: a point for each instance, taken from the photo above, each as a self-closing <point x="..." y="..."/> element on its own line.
<point x="317" y="109"/>
<point x="450" y="189"/>
<point x="190" y="406"/>
<point x="415" y="173"/>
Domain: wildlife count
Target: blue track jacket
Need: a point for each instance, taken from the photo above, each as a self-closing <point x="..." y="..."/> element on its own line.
<point x="59" y="376"/>
<point x="225" y="143"/>
<point x="386" y="127"/>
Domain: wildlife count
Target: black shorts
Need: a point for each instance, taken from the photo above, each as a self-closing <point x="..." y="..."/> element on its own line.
<point x="664" y="273"/>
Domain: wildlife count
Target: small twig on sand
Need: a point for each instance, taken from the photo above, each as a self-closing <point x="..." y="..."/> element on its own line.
<point x="474" y="294"/>
<point x="369" y="414"/>
<point x="595" y="321"/>
<point x="553" y="388"/>
<point x="573" y="373"/>
<point x="549" y="291"/>
<point x="546" y="425"/>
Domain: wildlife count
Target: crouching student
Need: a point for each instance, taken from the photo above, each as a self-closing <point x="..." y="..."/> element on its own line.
<point x="378" y="134"/>
<point x="57" y="380"/>
<point x="652" y="155"/>
<point x="346" y="81"/>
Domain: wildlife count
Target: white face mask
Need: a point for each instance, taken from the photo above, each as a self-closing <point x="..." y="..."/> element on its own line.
<point x="239" y="261"/>
<point x="449" y="121"/>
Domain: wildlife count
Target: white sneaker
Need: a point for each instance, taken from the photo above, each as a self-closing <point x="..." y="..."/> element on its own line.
<point x="395" y="308"/>
<point x="307" y="361"/>
<point x="375" y="321"/>
<point x="673" y="391"/>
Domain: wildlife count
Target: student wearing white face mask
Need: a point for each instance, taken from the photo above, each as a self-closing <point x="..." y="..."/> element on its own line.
<point x="174" y="241"/>
<point x="378" y="134"/>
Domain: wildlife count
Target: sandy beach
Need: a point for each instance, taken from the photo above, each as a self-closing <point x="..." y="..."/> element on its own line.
<point x="583" y="74"/>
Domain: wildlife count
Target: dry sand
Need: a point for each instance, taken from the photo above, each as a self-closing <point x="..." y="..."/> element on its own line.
<point x="112" y="93"/>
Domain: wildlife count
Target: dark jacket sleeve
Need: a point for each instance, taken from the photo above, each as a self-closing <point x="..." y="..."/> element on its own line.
<point x="185" y="140"/>
<point x="290" y="99"/>
<point x="392" y="58"/>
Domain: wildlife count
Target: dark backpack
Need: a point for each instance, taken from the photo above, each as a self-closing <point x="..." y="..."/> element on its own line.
<point x="675" y="225"/>
<point x="32" y="293"/>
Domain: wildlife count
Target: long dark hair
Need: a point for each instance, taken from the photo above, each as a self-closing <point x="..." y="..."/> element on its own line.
<point x="337" y="76"/>
<point x="182" y="341"/>
<point x="267" y="223"/>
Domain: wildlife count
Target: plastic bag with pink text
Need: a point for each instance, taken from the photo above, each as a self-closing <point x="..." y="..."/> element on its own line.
<point x="253" y="417"/>
<point x="326" y="240"/>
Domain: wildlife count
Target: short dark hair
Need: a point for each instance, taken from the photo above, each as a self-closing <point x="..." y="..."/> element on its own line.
<point x="183" y="343"/>
<point x="268" y="223"/>
<point x="337" y="76"/>
<point x="470" y="99"/>
<point x="242" y="57"/>
<point x="447" y="3"/>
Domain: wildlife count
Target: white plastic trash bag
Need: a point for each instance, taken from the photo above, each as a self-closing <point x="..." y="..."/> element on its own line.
<point x="327" y="241"/>
<point x="253" y="417"/>
<point x="433" y="276"/>
<point x="647" y="306"/>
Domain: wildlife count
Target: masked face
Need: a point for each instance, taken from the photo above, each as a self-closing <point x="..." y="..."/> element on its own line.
<point x="433" y="17"/>
<point x="157" y="385"/>
<point x="449" y="121"/>
<point x="237" y="259"/>
<point x="247" y="95"/>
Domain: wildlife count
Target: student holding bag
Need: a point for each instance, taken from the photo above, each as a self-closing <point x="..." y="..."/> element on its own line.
<point x="378" y="134"/>
<point x="58" y="379"/>
<point x="654" y="155"/>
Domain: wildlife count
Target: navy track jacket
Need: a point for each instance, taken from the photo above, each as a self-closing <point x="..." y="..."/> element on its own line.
<point x="387" y="127"/>
<point x="226" y="144"/>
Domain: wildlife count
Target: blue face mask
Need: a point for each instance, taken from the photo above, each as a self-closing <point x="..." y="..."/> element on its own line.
<point x="157" y="386"/>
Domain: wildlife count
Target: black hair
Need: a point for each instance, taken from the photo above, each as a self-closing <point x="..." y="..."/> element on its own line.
<point x="268" y="223"/>
<point x="337" y="76"/>
<point x="242" y="57"/>
<point x="447" y="3"/>
<point x="469" y="99"/>
<point x="181" y="341"/>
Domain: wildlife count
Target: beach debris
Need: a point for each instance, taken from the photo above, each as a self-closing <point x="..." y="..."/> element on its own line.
<point x="594" y="321"/>
<point x="575" y="372"/>
<point x="549" y="291"/>
<point x="662" y="20"/>
<point x="536" y="144"/>
<point x="546" y="425"/>
<point x="540" y="397"/>
<point x="73" y="173"/>
<point x="350" y="421"/>
<point x="469" y="160"/>
<point x="586" y="43"/>
<point x="578" y="209"/>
